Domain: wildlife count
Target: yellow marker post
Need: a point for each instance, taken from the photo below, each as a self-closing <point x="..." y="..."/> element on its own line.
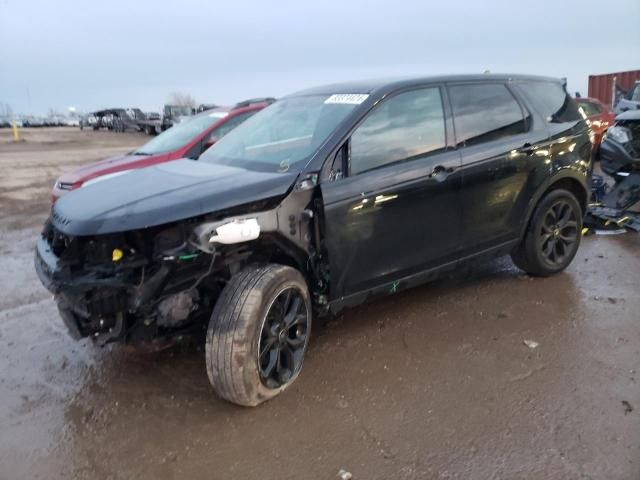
<point x="16" y="132"/>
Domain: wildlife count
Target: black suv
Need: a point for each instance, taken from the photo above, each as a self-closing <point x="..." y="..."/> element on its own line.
<point x="318" y="202"/>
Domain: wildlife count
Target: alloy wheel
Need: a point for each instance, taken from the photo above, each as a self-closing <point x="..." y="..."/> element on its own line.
<point x="559" y="233"/>
<point x="283" y="338"/>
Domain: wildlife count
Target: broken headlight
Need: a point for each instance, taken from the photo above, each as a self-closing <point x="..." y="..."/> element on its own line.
<point x="619" y="134"/>
<point x="230" y="231"/>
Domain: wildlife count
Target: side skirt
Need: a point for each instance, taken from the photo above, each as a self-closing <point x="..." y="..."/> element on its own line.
<point x="419" y="278"/>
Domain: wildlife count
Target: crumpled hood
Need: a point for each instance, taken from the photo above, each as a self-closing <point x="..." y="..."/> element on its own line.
<point x="161" y="194"/>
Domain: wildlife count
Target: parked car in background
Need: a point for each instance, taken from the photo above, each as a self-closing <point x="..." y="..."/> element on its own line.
<point x="631" y="101"/>
<point x="88" y="121"/>
<point x="186" y="140"/>
<point x="620" y="149"/>
<point x="33" y="122"/>
<point x="174" y="114"/>
<point x="171" y="115"/>
<point x="599" y="117"/>
<point x="323" y="200"/>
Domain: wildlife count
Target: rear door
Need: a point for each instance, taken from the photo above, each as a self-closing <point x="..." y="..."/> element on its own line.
<point x="396" y="210"/>
<point x="498" y="138"/>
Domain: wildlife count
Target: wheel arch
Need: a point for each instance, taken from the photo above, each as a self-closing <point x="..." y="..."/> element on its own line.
<point x="564" y="179"/>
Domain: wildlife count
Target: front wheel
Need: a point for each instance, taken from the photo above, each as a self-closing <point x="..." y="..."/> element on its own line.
<point x="553" y="236"/>
<point x="258" y="334"/>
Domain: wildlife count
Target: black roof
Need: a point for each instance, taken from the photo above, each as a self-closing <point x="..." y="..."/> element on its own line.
<point x="390" y="84"/>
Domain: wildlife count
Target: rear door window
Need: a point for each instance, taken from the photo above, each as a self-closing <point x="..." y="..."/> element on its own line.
<point x="484" y="113"/>
<point x="407" y="126"/>
<point x="552" y="101"/>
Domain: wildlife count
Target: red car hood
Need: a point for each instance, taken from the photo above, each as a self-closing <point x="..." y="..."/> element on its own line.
<point x="111" y="165"/>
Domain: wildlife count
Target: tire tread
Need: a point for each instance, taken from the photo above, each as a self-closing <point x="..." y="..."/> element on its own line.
<point x="230" y="330"/>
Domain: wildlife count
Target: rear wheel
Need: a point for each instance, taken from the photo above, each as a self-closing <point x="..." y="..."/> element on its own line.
<point x="258" y="334"/>
<point x="553" y="236"/>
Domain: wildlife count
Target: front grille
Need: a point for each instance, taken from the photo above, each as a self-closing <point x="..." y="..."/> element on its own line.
<point x="58" y="241"/>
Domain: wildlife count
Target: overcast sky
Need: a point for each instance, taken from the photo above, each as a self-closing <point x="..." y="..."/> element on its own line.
<point x="108" y="53"/>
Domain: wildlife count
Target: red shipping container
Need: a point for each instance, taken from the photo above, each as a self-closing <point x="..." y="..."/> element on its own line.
<point x="602" y="86"/>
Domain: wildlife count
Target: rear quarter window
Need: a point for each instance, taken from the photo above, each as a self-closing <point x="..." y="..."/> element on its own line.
<point x="552" y="101"/>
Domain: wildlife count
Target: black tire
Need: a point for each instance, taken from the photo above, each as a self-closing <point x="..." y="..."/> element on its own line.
<point x="548" y="249"/>
<point x="242" y="316"/>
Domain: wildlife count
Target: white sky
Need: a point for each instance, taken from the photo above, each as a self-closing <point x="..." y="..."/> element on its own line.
<point x="108" y="53"/>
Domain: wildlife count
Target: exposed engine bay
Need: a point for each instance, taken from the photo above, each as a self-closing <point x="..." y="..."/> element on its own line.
<point x="163" y="281"/>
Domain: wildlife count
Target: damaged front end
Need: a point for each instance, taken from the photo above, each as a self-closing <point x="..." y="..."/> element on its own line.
<point x="158" y="282"/>
<point x="620" y="150"/>
<point x="130" y="286"/>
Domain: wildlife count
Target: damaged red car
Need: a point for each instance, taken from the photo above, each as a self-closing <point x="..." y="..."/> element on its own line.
<point x="599" y="117"/>
<point x="185" y="140"/>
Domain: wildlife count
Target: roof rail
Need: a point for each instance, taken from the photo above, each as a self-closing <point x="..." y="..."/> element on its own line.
<point x="253" y="101"/>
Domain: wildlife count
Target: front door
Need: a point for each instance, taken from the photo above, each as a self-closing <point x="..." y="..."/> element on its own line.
<point x="396" y="212"/>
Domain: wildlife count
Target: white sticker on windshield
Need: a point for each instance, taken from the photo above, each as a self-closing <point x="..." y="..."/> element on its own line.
<point x="348" y="98"/>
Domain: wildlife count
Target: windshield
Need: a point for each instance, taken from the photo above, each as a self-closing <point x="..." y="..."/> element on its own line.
<point x="179" y="135"/>
<point x="282" y="136"/>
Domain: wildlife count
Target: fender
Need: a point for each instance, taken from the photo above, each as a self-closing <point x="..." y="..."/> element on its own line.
<point x="558" y="175"/>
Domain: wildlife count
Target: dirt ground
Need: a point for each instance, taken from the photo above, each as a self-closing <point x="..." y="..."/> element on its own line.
<point x="432" y="383"/>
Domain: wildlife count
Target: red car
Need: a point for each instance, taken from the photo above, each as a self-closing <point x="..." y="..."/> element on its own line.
<point x="184" y="140"/>
<point x="599" y="116"/>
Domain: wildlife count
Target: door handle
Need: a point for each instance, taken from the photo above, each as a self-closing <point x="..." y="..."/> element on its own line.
<point x="527" y="149"/>
<point x="440" y="172"/>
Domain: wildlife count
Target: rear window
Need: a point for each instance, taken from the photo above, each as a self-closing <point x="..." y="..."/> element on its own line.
<point x="484" y="113"/>
<point x="552" y="101"/>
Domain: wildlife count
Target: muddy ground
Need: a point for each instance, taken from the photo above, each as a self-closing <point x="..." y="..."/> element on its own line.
<point x="431" y="383"/>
